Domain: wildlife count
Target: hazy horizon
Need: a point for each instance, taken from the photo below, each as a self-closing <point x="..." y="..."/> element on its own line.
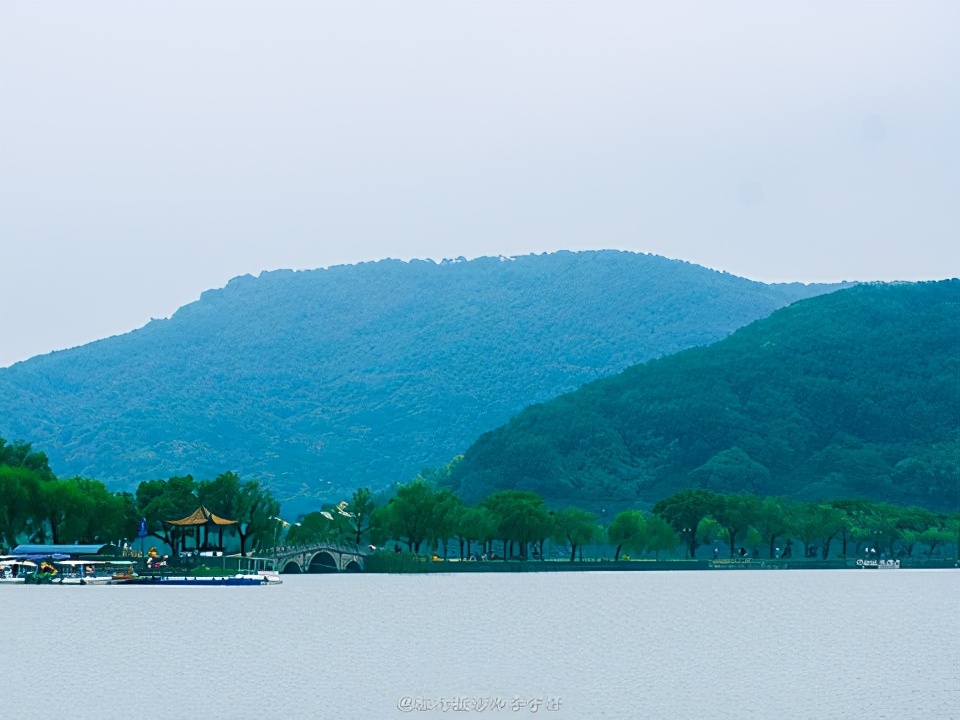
<point x="150" y="152"/>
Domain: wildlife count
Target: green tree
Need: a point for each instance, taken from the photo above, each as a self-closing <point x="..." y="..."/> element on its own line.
<point x="754" y="540"/>
<point x="574" y="527"/>
<point x="65" y="509"/>
<point x="411" y="513"/>
<point x="445" y="518"/>
<point x="934" y="537"/>
<point x="710" y="532"/>
<point x="911" y="524"/>
<point x="256" y="508"/>
<point x="855" y="514"/>
<point x="772" y="521"/>
<point x="161" y="500"/>
<point x="333" y="523"/>
<point x="476" y="524"/>
<point x="953" y="525"/>
<point x="736" y="513"/>
<point x="382" y="524"/>
<point x="101" y="516"/>
<point x="884" y="526"/>
<point x="20" y="454"/>
<point x="628" y="529"/>
<point x="314" y="527"/>
<point x="818" y="522"/>
<point x="15" y="493"/>
<point x="660" y="536"/>
<point x="685" y="510"/>
<point x="361" y="510"/>
<point x="221" y="496"/>
<point x="520" y="517"/>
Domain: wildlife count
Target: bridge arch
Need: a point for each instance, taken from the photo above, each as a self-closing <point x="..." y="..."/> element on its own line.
<point x="323" y="562"/>
<point x="352" y="566"/>
<point x="292" y="568"/>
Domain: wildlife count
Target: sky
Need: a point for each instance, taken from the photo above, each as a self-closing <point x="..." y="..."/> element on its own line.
<point x="151" y="151"/>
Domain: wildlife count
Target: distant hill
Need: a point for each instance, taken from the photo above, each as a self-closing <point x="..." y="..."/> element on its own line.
<point x="323" y="380"/>
<point x="856" y="393"/>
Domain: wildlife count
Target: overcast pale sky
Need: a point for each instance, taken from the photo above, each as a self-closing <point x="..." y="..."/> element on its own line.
<point x="150" y="151"/>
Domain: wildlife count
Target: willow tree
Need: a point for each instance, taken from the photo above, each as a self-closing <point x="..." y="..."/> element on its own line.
<point x="254" y="513"/>
<point x="574" y="526"/>
<point x="629" y="529"/>
<point x="660" y="536"/>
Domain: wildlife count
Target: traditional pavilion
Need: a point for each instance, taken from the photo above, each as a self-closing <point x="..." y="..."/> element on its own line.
<point x="201" y="518"/>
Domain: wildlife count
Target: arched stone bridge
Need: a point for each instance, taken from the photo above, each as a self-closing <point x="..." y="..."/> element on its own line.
<point x="318" y="558"/>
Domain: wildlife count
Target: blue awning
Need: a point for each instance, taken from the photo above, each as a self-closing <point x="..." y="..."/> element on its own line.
<point x="67" y="551"/>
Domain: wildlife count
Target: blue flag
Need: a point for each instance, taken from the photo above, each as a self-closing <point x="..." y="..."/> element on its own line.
<point x="142" y="530"/>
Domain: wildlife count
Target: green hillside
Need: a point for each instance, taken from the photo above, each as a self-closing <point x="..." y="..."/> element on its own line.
<point x="856" y="393"/>
<point x="325" y="380"/>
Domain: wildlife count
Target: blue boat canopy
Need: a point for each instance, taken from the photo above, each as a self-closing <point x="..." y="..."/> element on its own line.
<point x="45" y="551"/>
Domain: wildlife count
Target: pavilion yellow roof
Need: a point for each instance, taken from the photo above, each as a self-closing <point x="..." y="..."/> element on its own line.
<point x="201" y="516"/>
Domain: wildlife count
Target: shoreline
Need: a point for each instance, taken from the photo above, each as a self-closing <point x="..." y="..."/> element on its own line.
<point x="411" y="566"/>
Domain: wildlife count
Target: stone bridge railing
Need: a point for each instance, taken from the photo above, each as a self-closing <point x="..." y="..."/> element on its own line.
<point x="316" y="557"/>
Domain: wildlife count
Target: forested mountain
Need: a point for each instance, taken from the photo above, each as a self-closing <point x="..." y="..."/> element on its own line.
<point x="324" y="380"/>
<point x="855" y="393"/>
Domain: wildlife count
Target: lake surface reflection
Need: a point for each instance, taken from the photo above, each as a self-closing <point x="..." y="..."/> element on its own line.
<point x="739" y="644"/>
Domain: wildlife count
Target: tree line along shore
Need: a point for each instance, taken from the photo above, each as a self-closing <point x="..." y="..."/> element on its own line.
<point x="423" y="518"/>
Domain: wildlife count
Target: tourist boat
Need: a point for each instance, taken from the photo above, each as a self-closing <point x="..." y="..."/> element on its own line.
<point x="68" y="572"/>
<point x="43" y="575"/>
<point x="13" y="571"/>
<point x="124" y="570"/>
<point x="83" y="572"/>
<point x="94" y="572"/>
<point x="270" y="577"/>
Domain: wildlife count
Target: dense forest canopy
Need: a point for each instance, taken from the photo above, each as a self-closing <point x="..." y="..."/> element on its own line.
<point x="428" y="519"/>
<point x="321" y="381"/>
<point x="851" y="394"/>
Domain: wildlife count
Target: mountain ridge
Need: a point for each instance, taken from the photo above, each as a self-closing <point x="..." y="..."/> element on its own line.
<point x="320" y="380"/>
<point x="855" y="393"/>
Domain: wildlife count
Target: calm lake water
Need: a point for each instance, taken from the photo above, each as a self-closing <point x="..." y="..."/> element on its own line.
<point x="739" y="644"/>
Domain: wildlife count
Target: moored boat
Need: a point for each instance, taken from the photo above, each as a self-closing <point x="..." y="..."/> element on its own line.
<point x="83" y="572"/>
<point x="14" y="570"/>
<point x="200" y="581"/>
<point x="43" y="575"/>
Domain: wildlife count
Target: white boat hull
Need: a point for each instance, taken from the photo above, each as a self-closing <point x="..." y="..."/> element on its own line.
<point x="84" y="581"/>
